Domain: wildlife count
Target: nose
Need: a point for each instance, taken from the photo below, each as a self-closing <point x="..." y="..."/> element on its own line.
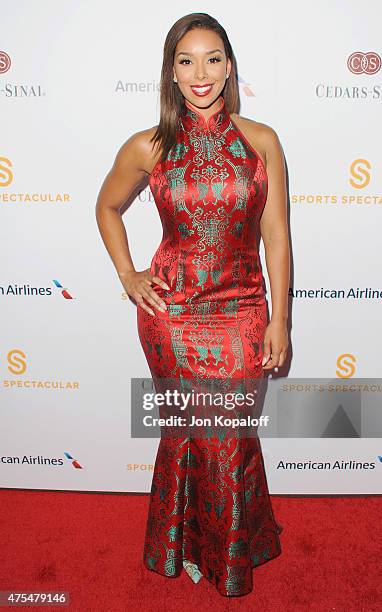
<point x="200" y="73"/>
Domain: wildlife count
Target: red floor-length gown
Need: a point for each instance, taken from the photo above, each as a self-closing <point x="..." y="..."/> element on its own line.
<point x="209" y="498"/>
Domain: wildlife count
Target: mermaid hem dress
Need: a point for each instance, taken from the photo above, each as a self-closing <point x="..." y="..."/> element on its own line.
<point x="209" y="500"/>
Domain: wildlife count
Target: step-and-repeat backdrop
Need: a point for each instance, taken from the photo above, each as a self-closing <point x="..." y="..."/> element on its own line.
<point x="77" y="78"/>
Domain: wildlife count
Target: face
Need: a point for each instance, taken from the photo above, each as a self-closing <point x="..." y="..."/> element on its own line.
<point x="200" y="66"/>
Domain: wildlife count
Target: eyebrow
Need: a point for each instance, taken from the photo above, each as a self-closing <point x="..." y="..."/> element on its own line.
<point x="207" y="53"/>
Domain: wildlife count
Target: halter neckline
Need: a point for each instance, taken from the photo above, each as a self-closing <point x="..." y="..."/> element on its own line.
<point x="192" y="116"/>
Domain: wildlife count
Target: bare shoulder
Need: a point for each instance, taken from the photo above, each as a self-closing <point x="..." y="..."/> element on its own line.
<point x="261" y="136"/>
<point x="138" y="150"/>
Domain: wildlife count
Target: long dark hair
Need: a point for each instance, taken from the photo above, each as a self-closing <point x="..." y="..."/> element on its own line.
<point x="171" y="98"/>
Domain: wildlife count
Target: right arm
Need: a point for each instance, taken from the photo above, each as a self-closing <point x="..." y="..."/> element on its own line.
<point x="129" y="168"/>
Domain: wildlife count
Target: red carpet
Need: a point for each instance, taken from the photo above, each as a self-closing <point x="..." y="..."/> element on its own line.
<point x="90" y="544"/>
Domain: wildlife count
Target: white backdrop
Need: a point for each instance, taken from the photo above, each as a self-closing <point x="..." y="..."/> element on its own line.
<point x="77" y="78"/>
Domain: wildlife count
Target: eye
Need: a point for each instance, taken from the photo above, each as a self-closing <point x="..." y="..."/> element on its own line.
<point x="217" y="59"/>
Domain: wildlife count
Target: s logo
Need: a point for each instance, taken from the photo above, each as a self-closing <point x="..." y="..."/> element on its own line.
<point x="346" y="365"/>
<point x="6" y="175"/>
<point x="359" y="172"/>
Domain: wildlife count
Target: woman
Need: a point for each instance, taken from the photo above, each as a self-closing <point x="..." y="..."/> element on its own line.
<point x="216" y="178"/>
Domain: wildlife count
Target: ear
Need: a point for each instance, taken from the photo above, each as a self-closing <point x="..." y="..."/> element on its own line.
<point x="229" y="66"/>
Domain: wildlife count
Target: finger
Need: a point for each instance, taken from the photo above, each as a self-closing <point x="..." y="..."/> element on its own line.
<point x="268" y="366"/>
<point x="267" y="346"/>
<point x="272" y="362"/>
<point x="149" y="283"/>
<point x="266" y="352"/>
<point x="276" y="358"/>
<point x="267" y="359"/>
<point x="154" y="299"/>
<point x="151" y="296"/>
<point x="141" y="304"/>
<point x="159" y="282"/>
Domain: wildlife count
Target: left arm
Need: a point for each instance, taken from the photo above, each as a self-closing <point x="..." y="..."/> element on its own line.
<point x="274" y="232"/>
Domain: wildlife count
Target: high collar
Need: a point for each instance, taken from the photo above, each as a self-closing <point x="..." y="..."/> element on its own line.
<point x="193" y="118"/>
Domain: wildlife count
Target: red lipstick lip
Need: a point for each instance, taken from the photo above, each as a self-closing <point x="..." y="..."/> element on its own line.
<point x="204" y="93"/>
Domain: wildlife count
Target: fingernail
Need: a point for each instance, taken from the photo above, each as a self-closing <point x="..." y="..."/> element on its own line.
<point x="163" y="305"/>
<point x="168" y="288"/>
<point x="264" y="361"/>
